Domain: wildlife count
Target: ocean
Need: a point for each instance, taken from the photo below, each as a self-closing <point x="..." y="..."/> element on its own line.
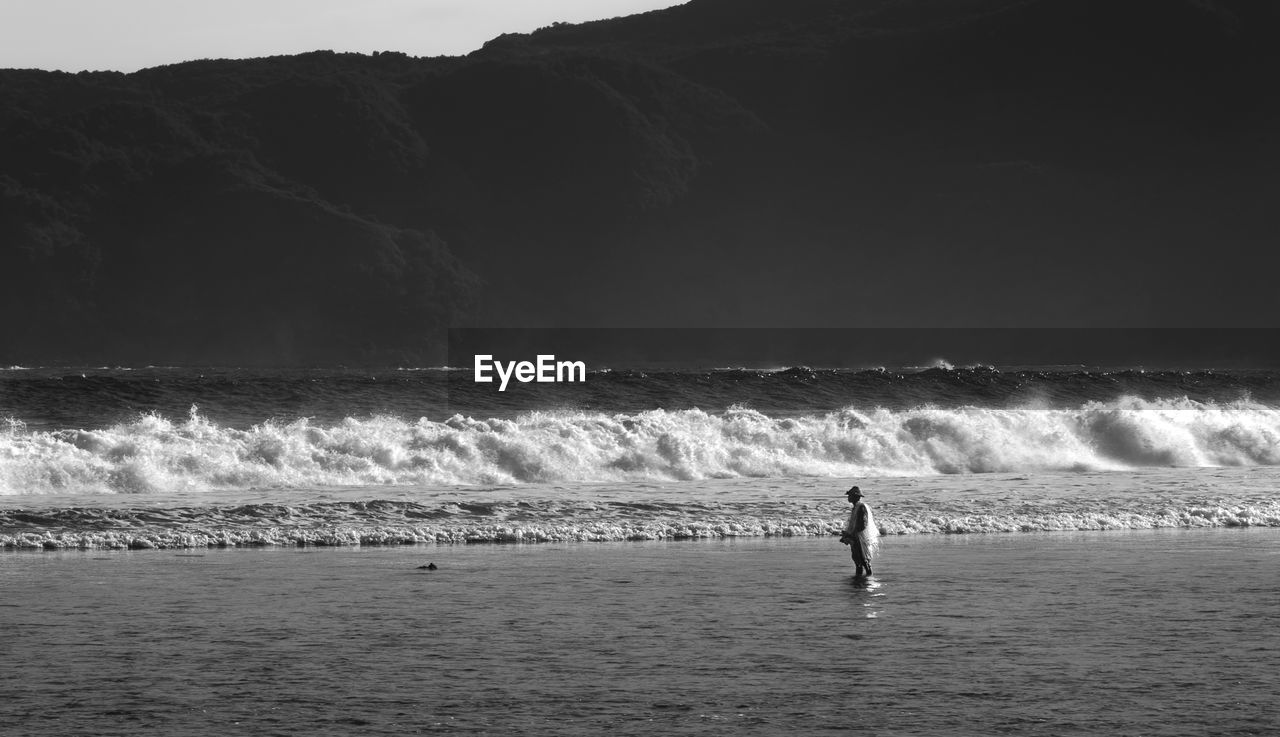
<point x="1067" y="550"/>
<point x="183" y="458"/>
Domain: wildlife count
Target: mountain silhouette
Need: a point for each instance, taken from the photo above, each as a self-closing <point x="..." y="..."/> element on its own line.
<point x="721" y="163"/>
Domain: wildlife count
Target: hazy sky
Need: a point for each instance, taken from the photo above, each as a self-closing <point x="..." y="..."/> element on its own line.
<point x="127" y="35"/>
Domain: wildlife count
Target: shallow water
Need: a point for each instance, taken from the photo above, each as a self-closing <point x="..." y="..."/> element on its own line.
<point x="1133" y="632"/>
<point x="712" y="508"/>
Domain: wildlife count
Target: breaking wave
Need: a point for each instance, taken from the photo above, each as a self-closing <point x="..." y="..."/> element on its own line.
<point x="153" y="453"/>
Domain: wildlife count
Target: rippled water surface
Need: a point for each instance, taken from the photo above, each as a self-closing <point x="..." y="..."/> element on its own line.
<point x="1095" y="633"/>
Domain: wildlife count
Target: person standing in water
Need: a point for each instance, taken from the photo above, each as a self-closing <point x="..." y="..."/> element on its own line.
<point x="860" y="532"/>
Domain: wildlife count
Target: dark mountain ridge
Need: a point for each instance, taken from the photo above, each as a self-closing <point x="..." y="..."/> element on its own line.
<point x="744" y="162"/>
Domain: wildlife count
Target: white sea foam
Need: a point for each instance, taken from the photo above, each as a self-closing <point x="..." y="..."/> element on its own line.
<point x="156" y="454"/>
<point x="712" y="509"/>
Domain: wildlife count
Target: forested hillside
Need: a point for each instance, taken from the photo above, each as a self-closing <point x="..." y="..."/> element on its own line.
<point x="724" y="162"/>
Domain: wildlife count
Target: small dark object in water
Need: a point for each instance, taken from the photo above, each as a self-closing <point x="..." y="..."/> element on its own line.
<point x="428" y="567"/>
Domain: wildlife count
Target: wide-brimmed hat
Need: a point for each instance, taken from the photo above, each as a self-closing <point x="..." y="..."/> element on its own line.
<point x="853" y="491"/>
